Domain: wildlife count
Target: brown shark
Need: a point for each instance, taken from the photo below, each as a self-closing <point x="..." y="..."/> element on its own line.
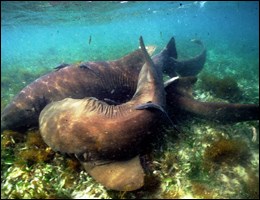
<point x="114" y="81"/>
<point x="93" y="130"/>
<point x="32" y="99"/>
<point x="180" y="100"/>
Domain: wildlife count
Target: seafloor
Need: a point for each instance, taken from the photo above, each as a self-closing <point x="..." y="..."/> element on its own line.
<point x="204" y="160"/>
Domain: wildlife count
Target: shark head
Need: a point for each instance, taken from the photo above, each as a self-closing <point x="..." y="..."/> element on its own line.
<point x="21" y="113"/>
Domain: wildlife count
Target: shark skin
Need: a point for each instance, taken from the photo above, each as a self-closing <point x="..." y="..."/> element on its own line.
<point x="114" y="81"/>
<point x="112" y="132"/>
<point x="102" y="80"/>
<point x="180" y="100"/>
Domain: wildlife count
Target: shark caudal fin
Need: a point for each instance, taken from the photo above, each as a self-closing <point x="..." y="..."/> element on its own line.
<point x="192" y="66"/>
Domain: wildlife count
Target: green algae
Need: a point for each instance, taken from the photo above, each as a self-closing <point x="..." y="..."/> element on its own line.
<point x="176" y="170"/>
<point x="226" y="88"/>
<point x="228" y="151"/>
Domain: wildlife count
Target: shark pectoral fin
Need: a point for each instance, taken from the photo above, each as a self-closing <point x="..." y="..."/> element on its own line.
<point x="118" y="175"/>
<point x="151" y="106"/>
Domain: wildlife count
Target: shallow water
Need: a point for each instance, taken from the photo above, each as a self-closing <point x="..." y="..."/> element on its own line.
<point x="42" y="35"/>
<point x="38" y="36"/>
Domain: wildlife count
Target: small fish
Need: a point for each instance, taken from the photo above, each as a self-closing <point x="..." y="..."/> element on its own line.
<point x="197" y="41"/>
<point x="89" y="40"/>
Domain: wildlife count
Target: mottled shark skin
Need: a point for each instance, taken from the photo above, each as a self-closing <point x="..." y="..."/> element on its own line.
<point x="114" y="81"/>
<point x="124" y="175"/>
<point x="180" y="100"/>
<point x="94" y="129"/>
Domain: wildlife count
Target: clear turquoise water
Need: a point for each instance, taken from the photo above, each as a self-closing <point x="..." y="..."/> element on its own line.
<point x="37" y="36"/>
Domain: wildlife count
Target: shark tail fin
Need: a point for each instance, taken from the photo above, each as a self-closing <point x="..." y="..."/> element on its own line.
<point x="192" y="66"/>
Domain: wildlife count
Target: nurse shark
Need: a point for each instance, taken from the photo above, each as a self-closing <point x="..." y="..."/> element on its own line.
<point x="113" y="134"/>
<point x="112" y="81"/>
<point x="107" y="81"/>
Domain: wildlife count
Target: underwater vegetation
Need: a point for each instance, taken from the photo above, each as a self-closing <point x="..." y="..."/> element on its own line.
<point x="202" y="190"/>
<point x="203" y="161"/>
<point x="226" y="88"/>
<point x="196" y="163"/>
<point x="25" y="164"/>
<point x="190" y="164"/>
<point x="10" y="138"/>
<point x="36" y="150"/>
<point x="251" y="185"/>
<point x="226" y="151"/>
